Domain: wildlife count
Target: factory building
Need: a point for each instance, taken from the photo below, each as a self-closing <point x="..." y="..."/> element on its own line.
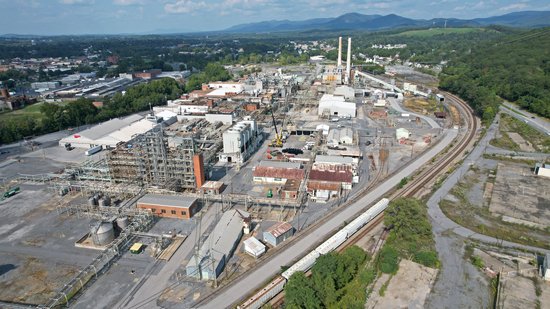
<point x="241" y="141"/>
<point x="155" y="159"/>
<point x="169" y="206"/>
<point x="276" y="172"/>
<point x="345" y="91"/>
<point x="324" y="184"/>
<point x="212" y="188"/>
<point x="342" y="136"/>
<point x="45" y="85"/>
<point x="331" y="105"/>
<point x="278" y="233"/>
<point x="334" y="163"/>
<point x="218" y="248"/>
<point x="254" y="247"/>
<point x="110" y="133"/>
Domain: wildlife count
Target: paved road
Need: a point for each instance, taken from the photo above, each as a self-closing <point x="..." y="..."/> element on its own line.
<point x="533" y="120"/>
<point x="145" y="294"/>
<point x="397" y="107"/>
<point x="441" y="222"/>
<point x="257" y="276"/>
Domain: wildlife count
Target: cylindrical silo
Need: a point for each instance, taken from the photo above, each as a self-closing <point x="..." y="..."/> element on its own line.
<point x="103" y="233"/>
<point x="122" y="222"/>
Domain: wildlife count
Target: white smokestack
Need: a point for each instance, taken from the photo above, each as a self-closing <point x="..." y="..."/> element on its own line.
<point x="348" y="64"/>
<point x="340" y="51"/>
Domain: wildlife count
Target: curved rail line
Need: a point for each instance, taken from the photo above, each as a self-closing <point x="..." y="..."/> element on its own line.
<point x="418" y="183"/>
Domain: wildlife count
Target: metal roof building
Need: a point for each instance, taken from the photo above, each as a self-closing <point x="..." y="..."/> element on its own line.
<point x="254" y="247"/>
<point x="278" y="233"/>
<point x="218" y="247"/>
<point x="110" y="133"/>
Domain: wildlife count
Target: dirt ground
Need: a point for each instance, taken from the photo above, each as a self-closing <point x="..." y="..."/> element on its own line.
<point x="421" y="105"/>
<point x="522" y="143"/>
<point x="515" y="195"/>
<point x="413" y="278"/>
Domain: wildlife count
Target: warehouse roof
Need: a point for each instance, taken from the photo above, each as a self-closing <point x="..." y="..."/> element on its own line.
<point x="254" y="244"/>
<point x="273" y="172"/>
<point x="331" y="176"/>
<point x="279" y="164"/>
<point x="168" y="200"/>
<point x="333" y="159"/>
<point x="222" y="239"/>
<point x="279" y="229"/>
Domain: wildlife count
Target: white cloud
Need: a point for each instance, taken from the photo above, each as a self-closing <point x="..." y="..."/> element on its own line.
<point x="183" y="6"/>
<point x="513" y="7"/>
<point x="128" y="2"/>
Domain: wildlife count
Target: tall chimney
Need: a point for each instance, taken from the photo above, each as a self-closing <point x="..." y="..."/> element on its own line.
<point x="348" y="64"/>
<point x="339" y="51"/>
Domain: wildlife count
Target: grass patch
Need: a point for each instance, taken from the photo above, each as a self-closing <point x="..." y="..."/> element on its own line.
<point x="539" y="141"/>
<point x="508" y="159"/>
<point x="505" y="142"/>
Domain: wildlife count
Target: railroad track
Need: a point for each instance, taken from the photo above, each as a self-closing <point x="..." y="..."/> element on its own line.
<point x="420" y="181"/>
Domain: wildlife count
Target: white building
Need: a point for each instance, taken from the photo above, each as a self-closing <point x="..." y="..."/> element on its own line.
<point x="347" y="92"/>
<point x="240" y="141"/>
<point x="225" y="88"/>
<point x="332" y="105"/>
<point x="402" y="133"/>
<point x="342" y="136"/>
<point x="108" y="134"/>
<point x="254" y="247"/>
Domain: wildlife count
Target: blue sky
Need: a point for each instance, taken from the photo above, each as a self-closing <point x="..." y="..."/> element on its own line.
<point x="147" y="16"/>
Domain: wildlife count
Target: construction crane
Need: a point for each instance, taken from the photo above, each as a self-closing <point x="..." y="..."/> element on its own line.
<point x="278" y="140"/>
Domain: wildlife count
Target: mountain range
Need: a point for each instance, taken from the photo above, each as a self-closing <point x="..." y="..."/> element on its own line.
<point x="357" y="21"/>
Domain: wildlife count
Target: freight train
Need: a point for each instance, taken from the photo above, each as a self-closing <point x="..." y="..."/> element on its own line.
<point x="304" y="264"/>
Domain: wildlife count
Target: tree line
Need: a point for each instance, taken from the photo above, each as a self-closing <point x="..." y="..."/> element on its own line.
<point x="515" y="68"/>
<point x="81" y="112"/>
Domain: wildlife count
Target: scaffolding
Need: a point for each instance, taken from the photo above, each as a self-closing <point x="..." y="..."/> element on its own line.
<point x="148" y="160"/>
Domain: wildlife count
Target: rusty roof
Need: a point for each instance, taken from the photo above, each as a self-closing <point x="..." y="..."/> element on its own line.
<point x="279" y="229"/>
<point x="274" y="172"/>
<point x="321" y="185"/>
<point x="331" y="176"/>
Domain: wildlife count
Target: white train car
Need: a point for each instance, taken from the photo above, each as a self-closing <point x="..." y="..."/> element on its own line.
<point x="368" y="215"/>
<point x="264" y="295"/>
<point x="302" y="265"/>
<point x="93" y="150"/>
<point x="332" y="243"/>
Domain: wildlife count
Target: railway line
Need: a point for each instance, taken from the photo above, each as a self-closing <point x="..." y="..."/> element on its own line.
<point x="419" y="183"/>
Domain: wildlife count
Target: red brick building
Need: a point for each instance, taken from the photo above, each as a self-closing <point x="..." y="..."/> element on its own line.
<point x="169" y="206"/>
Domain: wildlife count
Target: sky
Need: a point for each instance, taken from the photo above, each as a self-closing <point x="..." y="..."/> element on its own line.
<point x="53" y="17"/>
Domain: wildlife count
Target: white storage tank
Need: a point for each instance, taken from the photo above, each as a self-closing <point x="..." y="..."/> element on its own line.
<point x="103" y="233"/>
<point x="122" y="222"/>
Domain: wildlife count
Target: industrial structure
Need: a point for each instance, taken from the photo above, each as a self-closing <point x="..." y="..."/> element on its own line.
<point x="241" y="141"/>
<point x="169" y="206"/>
<point x="209" y="261"/>
<point x="278" y="233"/>
<point x="155" y="159"/>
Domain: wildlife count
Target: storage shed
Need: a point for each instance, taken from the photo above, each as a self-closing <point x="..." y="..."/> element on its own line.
<point x="278" y="233"/>
<point x="254" y="247"/>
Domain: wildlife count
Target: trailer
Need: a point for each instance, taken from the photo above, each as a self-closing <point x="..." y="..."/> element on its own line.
<point x="93" y="150"/>
<point x="11" y="192"/>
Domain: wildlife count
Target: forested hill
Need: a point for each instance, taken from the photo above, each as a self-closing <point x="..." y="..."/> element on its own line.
<point x="514" y="67"/>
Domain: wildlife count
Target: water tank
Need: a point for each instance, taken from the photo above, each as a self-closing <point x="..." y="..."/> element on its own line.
<point x="122" y="222"/>
<point x="92" y="201"/>
<point x="103" y="233"/>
